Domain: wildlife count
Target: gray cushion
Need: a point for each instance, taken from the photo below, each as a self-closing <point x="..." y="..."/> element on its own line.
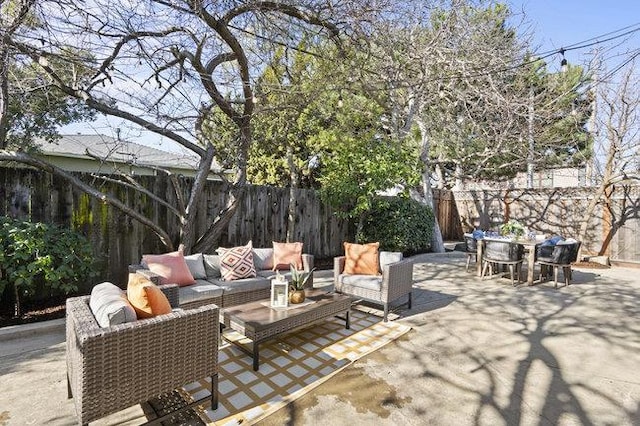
<point x="263" y="258"/>
<point x="202" y="289"/>
<point x="212" y="265"/>
<point x="387" y="257"/>
<point x="243" y="284"/>
<point x="372" y="282"/>
<point x="195" y="263"/>
<point x="110" y="306"/>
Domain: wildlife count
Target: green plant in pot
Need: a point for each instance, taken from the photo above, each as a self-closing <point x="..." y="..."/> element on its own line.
<point x="296" y="286"/>
<point x="513" y="227"/>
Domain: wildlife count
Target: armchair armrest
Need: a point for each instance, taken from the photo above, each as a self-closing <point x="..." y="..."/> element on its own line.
<point x="338" y="267"/>
<point x="397" y="279"/>
<point x="307" y="266"/>
<point x="142" y="270"/>
<point x="172" y="293"/>
<point x="307" y="262"/>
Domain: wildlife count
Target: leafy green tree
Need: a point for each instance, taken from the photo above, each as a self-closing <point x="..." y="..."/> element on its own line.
<point x="37" y="108"/>
<point x="363" y="159"/>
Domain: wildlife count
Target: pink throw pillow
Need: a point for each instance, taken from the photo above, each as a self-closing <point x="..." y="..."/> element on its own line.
<point x="171" y="267"/>
<point x="285" y="254"/>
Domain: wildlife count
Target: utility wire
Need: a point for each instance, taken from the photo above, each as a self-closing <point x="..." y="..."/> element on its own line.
<point x="598" y="39"/>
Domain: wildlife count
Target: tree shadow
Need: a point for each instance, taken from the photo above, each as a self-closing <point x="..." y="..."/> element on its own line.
<point x="538" y="319"/>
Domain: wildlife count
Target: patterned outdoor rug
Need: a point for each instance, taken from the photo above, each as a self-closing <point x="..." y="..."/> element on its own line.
<point x="290" y="366"/>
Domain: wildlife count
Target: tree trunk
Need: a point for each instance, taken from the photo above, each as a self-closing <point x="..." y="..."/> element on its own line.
<point x="437" y="244"/>
<point x="531" y="141"/>
<point x="211" y="238"/>
<point x="188" y="219"/>
<point x="4" y="97"/>
<point x="17" y="306"/>
<point x="294" y="179"/>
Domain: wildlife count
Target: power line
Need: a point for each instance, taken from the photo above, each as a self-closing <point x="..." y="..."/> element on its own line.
<point x="598" y="38"/>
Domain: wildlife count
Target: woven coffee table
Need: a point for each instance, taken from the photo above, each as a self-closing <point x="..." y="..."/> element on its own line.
<point x="259" y="322"/>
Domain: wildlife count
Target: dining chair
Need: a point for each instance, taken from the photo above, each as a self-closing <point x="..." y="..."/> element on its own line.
<point x="558" y="256"/>
<point x="470" y="249"/>
<point x="502" y="252"/>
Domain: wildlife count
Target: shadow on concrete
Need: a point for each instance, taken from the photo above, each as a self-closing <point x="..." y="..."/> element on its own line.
<point x="540" y="318"/>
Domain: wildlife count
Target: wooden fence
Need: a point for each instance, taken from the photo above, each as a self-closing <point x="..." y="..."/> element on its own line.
<point x="446" y="211"/>
<point x="119" y="241"/>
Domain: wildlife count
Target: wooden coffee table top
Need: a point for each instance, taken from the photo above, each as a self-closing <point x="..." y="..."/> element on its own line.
<point x="257" y="320"/>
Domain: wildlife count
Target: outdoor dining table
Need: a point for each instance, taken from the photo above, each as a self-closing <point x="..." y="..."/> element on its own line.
<point x="529" y="247"/>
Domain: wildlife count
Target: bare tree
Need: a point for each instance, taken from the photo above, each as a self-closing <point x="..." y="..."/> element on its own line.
<point x="617" y="128"/>
<point x="435" y="76"/>
<point x="464" y="78"/>
<point x="164" y="65"/>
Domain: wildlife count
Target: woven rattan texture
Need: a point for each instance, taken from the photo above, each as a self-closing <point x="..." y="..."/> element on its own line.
<point x="113" y="368"/>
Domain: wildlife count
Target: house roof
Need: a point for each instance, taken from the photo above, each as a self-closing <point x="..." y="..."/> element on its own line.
<point x="111" y="150"/>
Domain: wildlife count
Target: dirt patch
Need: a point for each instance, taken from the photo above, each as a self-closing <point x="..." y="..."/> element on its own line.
<point x="35" y="312"/>
<point x="590" y="265"/>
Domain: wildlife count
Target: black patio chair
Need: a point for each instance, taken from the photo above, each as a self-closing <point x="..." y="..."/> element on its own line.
<point x="470" y="249"/>
<point x="558" y="256"/>
<point x="502" y="252"/>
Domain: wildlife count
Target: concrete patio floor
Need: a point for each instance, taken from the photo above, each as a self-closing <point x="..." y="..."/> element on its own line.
<point x="481" y="352"/>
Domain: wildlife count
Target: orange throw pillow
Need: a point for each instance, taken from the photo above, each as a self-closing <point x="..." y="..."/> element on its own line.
<point x="361" y="259"/>
<point x="286" y="253"/>
<point x="146" y="298"/>
<point x="171" y="267"/>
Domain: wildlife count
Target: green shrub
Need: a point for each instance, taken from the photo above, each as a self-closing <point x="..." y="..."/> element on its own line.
<point x="399" y="224"/>
<point x="40" y="257"/>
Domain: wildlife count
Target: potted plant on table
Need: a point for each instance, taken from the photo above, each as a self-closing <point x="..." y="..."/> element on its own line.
<point x="512" y="228"/>
<point x="298" y="281"/>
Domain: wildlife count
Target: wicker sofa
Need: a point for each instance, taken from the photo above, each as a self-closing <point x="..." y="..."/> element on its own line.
<point x="394" y="282"/>
<point x="212" y="289"/>
<point x="112" y="368"/>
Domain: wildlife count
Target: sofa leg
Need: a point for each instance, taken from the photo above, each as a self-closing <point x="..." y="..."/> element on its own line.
<point x="386" y="312"/>
<point x="214" y="392"/>
<point x="409" y="302"/>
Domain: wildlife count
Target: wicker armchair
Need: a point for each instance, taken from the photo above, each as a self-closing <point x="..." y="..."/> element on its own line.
<point x="559" y="256"/>
<point x="395" y="282"/>
<point x="110" y="369"/>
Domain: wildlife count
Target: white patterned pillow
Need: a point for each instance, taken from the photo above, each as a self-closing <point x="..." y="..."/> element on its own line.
<point x="237" y="262"/>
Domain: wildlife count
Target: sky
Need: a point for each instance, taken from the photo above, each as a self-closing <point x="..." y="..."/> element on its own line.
<point x="554" y="24"/>
<point x="560" y="23"/>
